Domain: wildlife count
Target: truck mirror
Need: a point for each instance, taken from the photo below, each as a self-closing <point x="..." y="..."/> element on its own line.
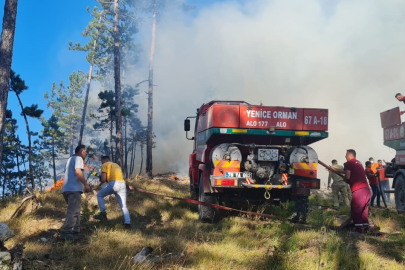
<point x="187" y="125"/>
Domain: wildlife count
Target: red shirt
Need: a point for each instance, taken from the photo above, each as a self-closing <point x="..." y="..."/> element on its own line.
<point x="403" y="99"/>
<point x="357" y="175"/>
<point x="372" y="179"/>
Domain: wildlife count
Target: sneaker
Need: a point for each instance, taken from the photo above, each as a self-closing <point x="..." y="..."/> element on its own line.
<point x="101" y="216"/>
<point x="68" y="237"/>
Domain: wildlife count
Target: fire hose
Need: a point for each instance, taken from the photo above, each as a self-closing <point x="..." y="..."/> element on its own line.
<point x="206" y="204"/>
<point x="341" y="175"/>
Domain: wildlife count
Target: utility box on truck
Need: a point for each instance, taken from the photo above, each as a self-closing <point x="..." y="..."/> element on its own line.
<point x="243" y="152"/>
<point x="394" y="137"/>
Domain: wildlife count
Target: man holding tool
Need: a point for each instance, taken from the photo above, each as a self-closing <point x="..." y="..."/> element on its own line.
<point x="112" y="174"/>
<point x="356" y="177"/>
<point x="72" y="189"/>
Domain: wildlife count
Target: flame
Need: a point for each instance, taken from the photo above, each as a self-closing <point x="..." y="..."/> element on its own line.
<point x="57" y="185"/>
<point x="173" y="177"/>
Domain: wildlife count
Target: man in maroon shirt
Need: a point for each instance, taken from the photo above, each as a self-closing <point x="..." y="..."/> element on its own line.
<point x="400" y="98"/>
<point x="356" y="178"/>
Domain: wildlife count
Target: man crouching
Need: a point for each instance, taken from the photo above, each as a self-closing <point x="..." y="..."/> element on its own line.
<point x="112" y="174"/>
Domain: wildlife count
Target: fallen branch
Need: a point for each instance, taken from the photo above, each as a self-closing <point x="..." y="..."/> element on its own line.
<point x="22" y="202"/>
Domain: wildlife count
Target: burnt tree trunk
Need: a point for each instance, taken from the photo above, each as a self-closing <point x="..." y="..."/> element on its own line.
<point x="6" y="56"/>
<point x="149" y="143"/>
<point x="29" y="144"/>
<point x="117" y="81"/>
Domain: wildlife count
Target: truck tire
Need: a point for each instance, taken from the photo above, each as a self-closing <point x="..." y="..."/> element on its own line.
<point x="400" y="193"/>
<point x="193" y="190"/>
<point x="206" y="213"/>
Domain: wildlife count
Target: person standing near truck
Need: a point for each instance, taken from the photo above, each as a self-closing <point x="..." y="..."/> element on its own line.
<point x="372" y="178"/>
<point x="338" y="185"/>
<point x="355" y="176"/>
<point x="385" y="183"/>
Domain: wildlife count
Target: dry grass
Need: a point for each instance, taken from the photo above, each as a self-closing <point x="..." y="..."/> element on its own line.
<point x="180" y="241"/>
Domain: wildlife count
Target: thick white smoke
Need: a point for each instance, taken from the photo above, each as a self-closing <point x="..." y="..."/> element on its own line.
<point x="346" y="56"/>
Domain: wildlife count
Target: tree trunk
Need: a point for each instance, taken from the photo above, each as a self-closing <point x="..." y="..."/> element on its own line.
<point x="18" y="169"/>
<point x="140" y="169"/>
<point x="111" y="140"/>
<point x="133" y="152"/>
<point x="125" y="149"/>
<point x="87" y="91"/>
<point x="117" y="80"/>
<point x="53" y="160"/>
<point x="29" y="144"/>
<point x="6" y="55"/>
<point x="149" y="143"/>
<point x="4" y="184"/>
<point x="72" y="133"/>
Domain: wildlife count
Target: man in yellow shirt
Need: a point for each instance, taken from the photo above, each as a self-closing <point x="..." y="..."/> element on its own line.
<point x="112" y="174"/>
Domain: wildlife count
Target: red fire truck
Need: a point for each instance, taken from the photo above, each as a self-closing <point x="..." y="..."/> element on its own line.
<point x="243" y="152"/>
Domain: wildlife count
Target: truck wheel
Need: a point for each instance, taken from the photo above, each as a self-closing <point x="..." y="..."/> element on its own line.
<point x="206" y="213"/>
<point x="193" y="190"/>
<point x="400" y="193"/>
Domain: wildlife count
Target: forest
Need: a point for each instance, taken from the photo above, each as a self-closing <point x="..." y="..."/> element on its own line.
<point x="107" y="123"/>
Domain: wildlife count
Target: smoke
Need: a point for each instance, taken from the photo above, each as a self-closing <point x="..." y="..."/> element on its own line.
<point x="346" y="56"/>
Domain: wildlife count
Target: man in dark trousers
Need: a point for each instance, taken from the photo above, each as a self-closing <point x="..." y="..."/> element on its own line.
<point x="356" y="178"/>
<point x="72" y="190"/>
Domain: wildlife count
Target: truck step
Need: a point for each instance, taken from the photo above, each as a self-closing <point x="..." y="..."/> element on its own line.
<point x="389" y="191"/>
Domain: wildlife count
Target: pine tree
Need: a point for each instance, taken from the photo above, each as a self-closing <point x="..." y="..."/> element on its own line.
<point x="6" y="55"/>
<point x="17" y="85"/>
<point x="67" y="104"/>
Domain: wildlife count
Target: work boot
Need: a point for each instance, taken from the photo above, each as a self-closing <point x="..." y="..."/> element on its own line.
<point x="67" y="237"/>
<point x="302" y="219"/>
<point x="101" y="216"/>
<point x="295" y="218"/>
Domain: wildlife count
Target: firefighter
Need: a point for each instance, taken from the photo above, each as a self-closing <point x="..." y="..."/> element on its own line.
<point x="338" y="185"/>
<point x="356" y="177"/>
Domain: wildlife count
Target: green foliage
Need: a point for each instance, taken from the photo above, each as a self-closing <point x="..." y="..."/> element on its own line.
<point x="100" y="47"/>
<point x="67" y="105"/>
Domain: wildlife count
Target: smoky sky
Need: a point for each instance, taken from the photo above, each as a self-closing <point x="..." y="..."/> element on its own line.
<point x="345" y="56"/>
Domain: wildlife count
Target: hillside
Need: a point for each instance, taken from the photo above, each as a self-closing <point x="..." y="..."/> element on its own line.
<point x="180" y="241"/>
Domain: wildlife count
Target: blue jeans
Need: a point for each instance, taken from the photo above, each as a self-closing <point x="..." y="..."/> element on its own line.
<point x="385" y="185"/>
<point x="118" y="188"/>
<point x="376" y="193"/>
